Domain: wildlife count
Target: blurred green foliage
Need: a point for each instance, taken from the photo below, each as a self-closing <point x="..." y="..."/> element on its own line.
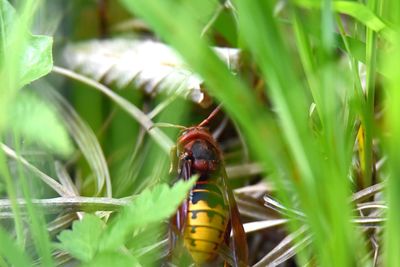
<point x="316" y="101"/>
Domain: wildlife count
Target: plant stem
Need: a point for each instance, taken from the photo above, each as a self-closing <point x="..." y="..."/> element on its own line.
<point x="12" y="195"/>
<point x="65" y="204"/>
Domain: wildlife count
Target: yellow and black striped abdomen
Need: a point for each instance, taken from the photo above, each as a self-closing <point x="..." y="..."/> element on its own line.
<point x="206" y="222"/>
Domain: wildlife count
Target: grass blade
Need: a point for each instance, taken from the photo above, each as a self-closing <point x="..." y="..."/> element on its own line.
<point x="162" y="139"/>
<point x="86" y="140"/>
<point x="44" y="177"/>
<point x="14" y="254"/>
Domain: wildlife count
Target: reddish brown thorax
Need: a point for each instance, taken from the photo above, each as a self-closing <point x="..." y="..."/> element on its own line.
<point x="198" y="146"/>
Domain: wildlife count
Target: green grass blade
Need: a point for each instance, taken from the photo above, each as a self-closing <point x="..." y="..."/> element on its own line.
<point x="259" y="28"/>
<point x="11" y="252"/>
<point x="12" y="195"/>
<point x="37" y="223"/>
<point x="391" y="63"/>
<point x="354" y="9"/>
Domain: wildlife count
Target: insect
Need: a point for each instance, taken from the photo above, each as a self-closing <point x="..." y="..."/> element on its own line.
<point x="203" y="223"/>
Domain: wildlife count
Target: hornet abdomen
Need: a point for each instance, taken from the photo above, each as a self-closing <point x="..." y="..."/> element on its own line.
<point x="206" y="222"/>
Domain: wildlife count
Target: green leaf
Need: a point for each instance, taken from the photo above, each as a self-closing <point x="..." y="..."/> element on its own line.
<point x="114" y="259"/>
<point x="36" y="121"/>
<point x="36" y="59"/>
<point x="149" y="207"/>
<point x="82" y="241"/>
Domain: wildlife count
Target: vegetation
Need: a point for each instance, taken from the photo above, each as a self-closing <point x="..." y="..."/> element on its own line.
<point x="310" y="128"/>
